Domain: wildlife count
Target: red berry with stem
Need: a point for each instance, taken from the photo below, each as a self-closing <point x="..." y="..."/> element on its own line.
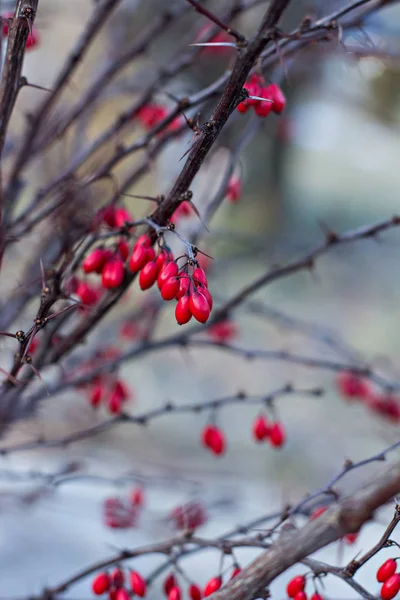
<point x="138" y="258"/>
<point x="277" y="436"/>
<point x="278" y="97"/>
<point x="101" y="583"/>
<point x="386" y="570"/>
<point x="261" y="428"/>
<point x="199" y="306"/>
<point x="169" y="583"/>
<point x="138" y="584"/>
<point x="174" y="593"/>
<point x="295" y="585"/>
<point x="183" y="313"/>
<point x="148" y="275"/>
<point x="212" y="586"/>
<point x="94" y="261"/>
<point x="117" y="578"/>
<point x="194" y="592"/>
<point x="169" y="270"/>
<point x="170" y="288"/>
<point x="113" y="273"/>
<point x="391" y="587"/>
<point x="300" y="596"/>
<point x="213" y="438"/>
<point x="200" y="278"/>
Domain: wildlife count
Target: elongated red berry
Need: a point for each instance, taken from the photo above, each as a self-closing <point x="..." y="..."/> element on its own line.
<point x="122" y="216"/>
<point x="175" y="593"/>
<point x="199" y="276"/>
<point x="123" y="249"/>
<point x="94" y="261"/>
<point x="96" y="395"/>
<point x="386" y="570"/>
<point x="101" y="583"/>
<point x="88" y="295"/>
<point x="351" y="386"/>
<point x="169" y="270"/>
<point x="391" y="587"/>
<point x="295" y="585"/>
<point x="213" y="438"/>
<point x="148" y="275"/>
<point x="278" y="97"/>
<point x="194" y="592"/>
<point x="117" y="578"/>
<point x="169" y="583"/>
<point x="183" y="313"/>
<point x="212" y="586"/>
<point x="199" y="306"/>
<point x="113" y="273"/>
<point x="184" y="285"/>
<point x="261" y="428"/>
<point x="138" y="258"/>
<point x="170" y="288"/>
<point x="207" y="294"/>
<point x="277" y="435"/>
<point x="138" y="584"/>
<point x="164" y="257"/>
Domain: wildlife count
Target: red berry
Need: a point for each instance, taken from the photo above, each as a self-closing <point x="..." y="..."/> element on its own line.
<point x="33" y="346"/>
<point x="243" y="107"/>
<point x="122" y="594"/>
<point x="234" y="189"/>
<point x="184" y="284"/>
<point x="94" y="261"/>
<point x="169" y="270"/>
<point x="295" y="585"/>
<point x="101" y="584"/>
<point x="163" y="257"/>
<point x="350" y="538"/>
<point x="213" y="438"/>
<point x="206" y="293"/>
<point x="123" y="249"/>
<point x="183" y="313"/>
<point x="391" y="587"/>
<point x="277" y="435"/>
<point x="138" y="258"/>
<point x="352" y="386"/>
<point x="189" y="516"/>
<point x="96" y="395"/>
<point x="194" y="592"/>
<point x="117" y="578"/>
<point x="148" y="275"/>
<point x="169" y="583"/>
<point x="174" y="593"/>
<point x="386" y="570"/>
<point x="151" y="254"/>
<point x="121" y="217"/>
<point x="137" y="497"/>
<point x="300" y="596"/>
<point x="212" y="586"/>
<point x="316" y="596"/>
<point x="113" y="273"/>
<point x="138" y="584"/>
<point x="170" y="288"/>
<point x="199" y="306"/>
<point x="263" y="109"/>
<point x="114" y="404"/>
<point x="200" y="278"/>
<point x="87" y="294"/>
<point x="235" y="572"/>
<point x="278" y="97"/>
<point x="222" y="332"/>
<point x="254" y="89"/>
<point x="261" y="428"/>
<point x="33" y="39"/>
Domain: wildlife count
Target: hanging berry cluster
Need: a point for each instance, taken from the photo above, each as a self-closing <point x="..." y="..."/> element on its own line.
<point x="186" y="283"/>
<point x="352" y="387"/>
<point x="387" y="575"/>
<point x="119" y="514"/>
<point x="116" y="582"/>
<point x="265" y="431"/>
<point x="296" y="589"/>
<point x="275" y="100"/>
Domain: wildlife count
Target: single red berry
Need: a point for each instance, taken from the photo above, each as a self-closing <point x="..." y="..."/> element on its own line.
<point x="223" y="332"/>
<point x="96" y="395"/>
<point x="148" y="275"/>
<point x="183" y="313"/>
<point x="391" y="587"/>
<point x="88" y="295"/>
<point x="213" y="438"/>
<point x="117" y="578"/>
<point x="113" y="273"/>
<point x="234" y="189"/>
<point x="170" y="288"/>
<point x="169" y="270"/>
<point x="295" y="585"/>
<point x="164" y="257"/>
<point x="101" y="583"/>
<point x="212" y="586"/>
<point x="114" y="404"/>
<point x="169" y="583"/>
<point x="123" y="249"/>
<point x="261" y="428"/>
<point x="183" y="210"/>
<point x="300" y="596"/>
<point x="194" y="592"/>
<point x="121" y="217"/>
<point x="112" y="594"/>
<point x="174" y="593"/>
<point x="151" y="254"/>
<point x="122" y="594"/>
<point x="235" y="572"/>
<point x="138" y="258"/>
<point x="104" y="215"/>
<point x="184" y="285"/>
<point x="351" y="385"/>
<point x="278" y="97"/>
<point x="386" y="570"/>
<point x="143" y="240"/>
<point x="138" y="584"/>
<point x="200" y="278"/>
<point x="243" y="107"/>
<point x="277" y="436"/>
<point x="129" y="330"/>
<point x="207" y="294"/>
<point x="137" y="497"/>
<point x="94" y="262"/>
<point x="199" y="306"/>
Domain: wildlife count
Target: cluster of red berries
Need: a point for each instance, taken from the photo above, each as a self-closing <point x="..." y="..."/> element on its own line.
<point x="189" y="289"/>
<point x="189" y="516"/>
<point x="152" y="115"/>
<point x="114" y="583"/>
<point x="33" y="37"/>
<point x="123" y="515"/>
<point x="387" y="575"/>
<point x="353" y="387"/>
<point x="108" y="390"/>
<point x="264" y="430"/>
<point x="275" y="100"/>
<point x="295" y="589"/>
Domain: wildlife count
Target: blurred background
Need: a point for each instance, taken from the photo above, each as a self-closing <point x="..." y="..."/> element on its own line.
<point x="330" y="161"/>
